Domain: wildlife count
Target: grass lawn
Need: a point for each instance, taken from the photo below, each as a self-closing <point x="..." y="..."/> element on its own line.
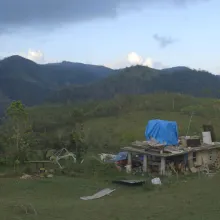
<point x="59" y="199"/>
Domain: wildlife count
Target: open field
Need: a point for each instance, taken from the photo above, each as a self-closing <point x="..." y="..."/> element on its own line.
<point x="58" y="199"/>
<point x="118" y="131"/>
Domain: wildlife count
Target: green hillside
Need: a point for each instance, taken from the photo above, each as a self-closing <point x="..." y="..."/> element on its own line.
<point x="33" y="84"/>
<point x="110" y="124"/>
<point x="22" y="79"/>
<point x="144" y="80"/>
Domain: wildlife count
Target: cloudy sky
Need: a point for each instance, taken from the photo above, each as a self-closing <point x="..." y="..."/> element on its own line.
<point x="115" y="33"/>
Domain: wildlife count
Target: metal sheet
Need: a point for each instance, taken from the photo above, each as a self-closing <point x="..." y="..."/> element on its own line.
<point x="99" y="194"/>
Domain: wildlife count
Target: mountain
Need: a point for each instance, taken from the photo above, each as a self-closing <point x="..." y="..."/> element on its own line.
<point x="144" y="80"/>
<point x="67" y="73"/>
<point x="30" y="82"/>
<point x="174" y="69"/>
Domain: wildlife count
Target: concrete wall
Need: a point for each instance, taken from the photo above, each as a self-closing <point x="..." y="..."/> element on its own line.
<point x="206" y="157"/>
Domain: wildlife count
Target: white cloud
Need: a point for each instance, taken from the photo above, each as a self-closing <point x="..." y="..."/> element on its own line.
<point x="34" y="55"/>
<point x="148" y="62"/>
<point x="133" y="59"/>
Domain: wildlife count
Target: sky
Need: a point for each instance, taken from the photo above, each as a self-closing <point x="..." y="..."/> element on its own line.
<point x="114" y="33"/>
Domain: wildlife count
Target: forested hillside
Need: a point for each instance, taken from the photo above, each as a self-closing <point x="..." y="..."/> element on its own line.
<point x="22" y="79"/>
<point x="119" y="121"/>
<point x="144" y="80"/>
<point x="66" y="82"/>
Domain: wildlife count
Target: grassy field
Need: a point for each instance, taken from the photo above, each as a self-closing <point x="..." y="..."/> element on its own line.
<point x="59" y="199"/>
<point x="118" y="131"/>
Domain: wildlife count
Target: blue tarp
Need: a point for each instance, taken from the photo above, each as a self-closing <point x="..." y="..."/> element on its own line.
<point x="121" y="156"/>
<point x="164" y="132"/>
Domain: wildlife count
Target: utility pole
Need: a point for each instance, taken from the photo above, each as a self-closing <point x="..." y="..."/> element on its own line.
<point x="190" y="120"/>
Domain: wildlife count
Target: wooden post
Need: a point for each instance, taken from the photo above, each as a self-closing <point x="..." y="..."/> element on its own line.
<point x="129" y="164"/>
<point x="129" y="159"/>
<point x="190" y="160"/>
<point x="162" y="166"/>
<point x="145" y="164"/>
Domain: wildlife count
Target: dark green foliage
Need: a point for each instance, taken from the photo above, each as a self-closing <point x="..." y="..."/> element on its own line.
<point x="22" y="79"/>
<point x="77" y="143"/>
<point x="110" y="124"/>
<point x="100" y="126"/>
<point x="144" y="80"/>
<point x="16" y="111"/>
<point x="17" y="132"/>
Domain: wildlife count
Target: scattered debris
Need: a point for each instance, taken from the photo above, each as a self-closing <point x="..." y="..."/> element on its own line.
<point x="193" y="170"/>
<point x="26" y="177"/>
<point x="156" y="181"/>
<point x="129" y="182"/>
<point x="107" y="157"/>
<point x="165" y="153"/>
<point x="99" y="194"/>
<point x="62" y="154"/>
<point x="50" y="176"/>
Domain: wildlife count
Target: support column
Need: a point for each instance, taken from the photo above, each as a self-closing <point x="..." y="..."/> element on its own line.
<point x="129" y="159"/>
<point x="145" y="164"/>
<point x="162" y="166"/>
<point x="190" y="160"/>
<point x="129" y="164"/>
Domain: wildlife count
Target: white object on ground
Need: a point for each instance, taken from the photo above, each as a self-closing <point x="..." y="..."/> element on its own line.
<point x="99" y="194"/>
<point x="25" y="177"/>
<point x="104" y="156"/>
<point x="62" y="154"/>
<point x="49" y="175"/>
<point x="156" y="181"/>
<point x="128" y="168"/>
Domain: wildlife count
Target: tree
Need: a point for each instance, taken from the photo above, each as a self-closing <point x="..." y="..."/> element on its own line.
<point x="16" y="111"/>
<point x="77" y="143"/>
<point x="19" y="131"/>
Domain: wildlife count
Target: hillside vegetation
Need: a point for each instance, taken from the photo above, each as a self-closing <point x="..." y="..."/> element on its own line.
<point x="143" y="80"/>
<point x="22" y="79"/>
<point x="33" y="84"/>
<point x="110" y="124"/>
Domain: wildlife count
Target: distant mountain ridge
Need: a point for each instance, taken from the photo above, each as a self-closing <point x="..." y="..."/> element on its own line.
<point x="32" y="83"/>
<point x="144" y="80"/>
<point x="176" y="68"/>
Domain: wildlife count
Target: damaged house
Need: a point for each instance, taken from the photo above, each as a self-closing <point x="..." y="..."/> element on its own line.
<point x="164" y="152"/>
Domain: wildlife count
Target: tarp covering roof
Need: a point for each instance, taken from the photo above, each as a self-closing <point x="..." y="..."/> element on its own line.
<point x="164" y="132"/>
<point x="121" y="156"/>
